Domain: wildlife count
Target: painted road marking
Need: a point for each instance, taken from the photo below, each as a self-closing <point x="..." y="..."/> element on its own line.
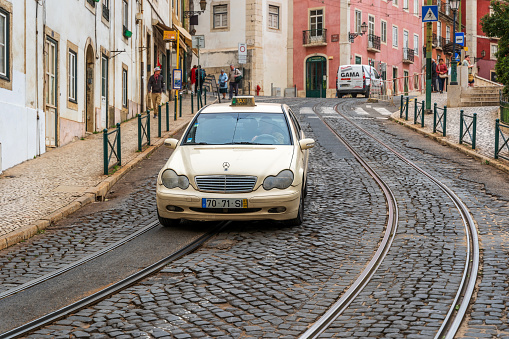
<point x="306" y="110"/>
<point x="382" y="111"/>
<point x="360" y="111"/>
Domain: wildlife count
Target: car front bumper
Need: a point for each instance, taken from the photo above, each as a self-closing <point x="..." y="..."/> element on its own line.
<point x="261" y="204"/>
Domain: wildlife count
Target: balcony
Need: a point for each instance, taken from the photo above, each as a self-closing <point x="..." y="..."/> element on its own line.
<point x="314" y="37"/>
<point x="408" y="55"/>
<point x="373" y="43"/>
<point x="106" y="12"/>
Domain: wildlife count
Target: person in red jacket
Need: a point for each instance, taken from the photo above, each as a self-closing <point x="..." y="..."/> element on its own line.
<point x="193" y="78"/>
<point x="442" y="74"/>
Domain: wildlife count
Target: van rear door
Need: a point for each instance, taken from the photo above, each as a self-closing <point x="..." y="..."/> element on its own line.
<point x="350" y="77"/>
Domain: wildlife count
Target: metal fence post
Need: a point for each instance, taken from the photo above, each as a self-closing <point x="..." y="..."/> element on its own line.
<point x="461" y="127"/>
<point x="474" y="130"/>
<point x="406" y="109"/>
<point x="422" y="113"/>
<point x="139" y="132"/>
<point x="435" y="117"/>
<point x="192" y="105"/>
<point x="175" y="107"/>
<point x="180" y="105"/>
<point x="105" y="148"/>
<point x="497" y="127"/>
<point x="205" y="95"/>
<point x="148" y="129"/>
<point x="444" y="117"/>
<point x="159" y="121"/>
<point x="415" y="111"/>
<point x="119" y="147"/>
<point x="401" y="108"/>
<point x="167" y="116"/>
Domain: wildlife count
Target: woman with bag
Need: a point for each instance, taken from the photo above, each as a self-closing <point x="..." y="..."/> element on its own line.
<point x="442" y="74"/>
<point x="223" y="83"/>
<point x="466" y="63"/>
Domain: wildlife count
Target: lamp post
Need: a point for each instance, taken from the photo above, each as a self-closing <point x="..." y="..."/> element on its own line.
<point x="454" y="4"/>
<point x="364" y="29"/>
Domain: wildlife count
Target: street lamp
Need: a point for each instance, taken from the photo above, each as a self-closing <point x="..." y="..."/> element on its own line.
<point x="454" y="4"/>
<point x="483" y="54"/>
<point x="203" y="6"/>
<point x="364" y="29"/>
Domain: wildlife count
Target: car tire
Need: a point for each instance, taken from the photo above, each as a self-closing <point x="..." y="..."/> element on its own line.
<point x="354" y="95"/>
<point x="300" y="215"/>
<point x="168" y="222"/>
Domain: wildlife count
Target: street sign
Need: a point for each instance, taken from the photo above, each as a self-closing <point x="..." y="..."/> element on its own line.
<point x="460" y="38"/>
<point x="177" y="79"/>
<point x="429" y="13"/>
<point x="170" y="35"/>
<point x="198" y="41"/>
<point x="242" y="53"/>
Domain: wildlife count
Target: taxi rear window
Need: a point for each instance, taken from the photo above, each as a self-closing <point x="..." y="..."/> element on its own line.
<point x="239" y="128"/>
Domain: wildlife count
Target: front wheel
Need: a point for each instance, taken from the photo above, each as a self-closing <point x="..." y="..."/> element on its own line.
<point x="300" y="215"/>
<point x="168" y="222"/>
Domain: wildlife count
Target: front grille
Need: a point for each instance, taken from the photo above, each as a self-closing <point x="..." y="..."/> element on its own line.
<point x="225" y="183"/>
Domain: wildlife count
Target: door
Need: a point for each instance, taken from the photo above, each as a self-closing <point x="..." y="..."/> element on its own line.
<point x="316" y="77"/>
<point x="50" y="92"/>
<point x="405" y="82"/>
<point x="108" y="120"/>
<point x="395" y="80"/>
<point x="89" y="91"/>
<point x="405" y="45"/>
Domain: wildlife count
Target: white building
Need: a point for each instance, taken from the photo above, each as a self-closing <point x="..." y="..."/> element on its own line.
<point x="75" y="67"/>
<point x="264" y="25"/>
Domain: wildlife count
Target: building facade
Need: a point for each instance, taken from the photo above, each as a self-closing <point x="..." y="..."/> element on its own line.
<point x="76" y="67"/>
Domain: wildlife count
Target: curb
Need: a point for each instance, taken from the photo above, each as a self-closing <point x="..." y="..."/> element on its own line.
<point x="92" y="194"/>
<point x="464" y="149"/>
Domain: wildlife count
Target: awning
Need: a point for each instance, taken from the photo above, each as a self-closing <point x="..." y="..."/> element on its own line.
<point x="187" y="37"/>
<point x="160" y="25"/>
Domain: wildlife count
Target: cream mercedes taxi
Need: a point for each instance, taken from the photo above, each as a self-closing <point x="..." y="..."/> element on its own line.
<point x="236" y="161"/>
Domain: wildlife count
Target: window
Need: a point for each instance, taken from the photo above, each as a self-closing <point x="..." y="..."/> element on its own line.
<point x="439" y="31"/>
<point x="124" y="87"/>
<point x="395" y="2"/>
<point x="106" y="9"/>
<point x="358" y="21"/>
<point x="447" y="34"/>
<point x="447" y="7"/>
<point x="493" y="51"/>
<point x="71" y="77"/>
<point x="416" y="7"/>
<point x="125" y="15"/>
<point x="358" y="60"/>
<point x="371" y="25"/>
<point x="416" y="45"/>
<point x="316" y="22"/>
<point x="394" y="36"/>
<point x="383" y="31"/>
<point x="4" y="44"/>
<point x="491" y="10"/>
<point x="220" y="16"/>
<point x="51" y="72"/>
<point x="405" y="5"/>
<point x="104" y="76"/>
<point x="273" y="17"/>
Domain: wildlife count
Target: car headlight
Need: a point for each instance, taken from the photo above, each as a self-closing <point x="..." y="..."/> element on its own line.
<point x="170" y="179"/>
<point x="283" y="180"/>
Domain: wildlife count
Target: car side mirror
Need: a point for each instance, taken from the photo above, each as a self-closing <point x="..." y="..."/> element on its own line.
<point x="307" y="143"/>
<point x="171" y="143"/>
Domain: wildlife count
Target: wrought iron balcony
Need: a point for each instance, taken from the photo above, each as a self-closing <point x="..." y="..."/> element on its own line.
<point x="314" y="37"/>
<point x="106" y="12"/>
<point x="408" y="55"/>
<point x="373" y="43"/>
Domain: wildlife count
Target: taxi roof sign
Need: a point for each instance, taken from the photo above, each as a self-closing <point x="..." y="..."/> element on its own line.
<point x="246" y="100"/>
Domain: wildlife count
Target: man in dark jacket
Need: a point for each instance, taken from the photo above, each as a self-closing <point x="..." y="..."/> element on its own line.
<point x="434" y="76"/>
<point x="156" y="86"/>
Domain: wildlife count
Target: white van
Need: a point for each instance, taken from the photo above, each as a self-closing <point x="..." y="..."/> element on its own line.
<point x="356" y="79"/>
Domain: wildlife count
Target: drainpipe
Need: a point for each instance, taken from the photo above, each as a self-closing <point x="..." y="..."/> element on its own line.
<point x="37" y="128"/>
<point x="142" y="64"/>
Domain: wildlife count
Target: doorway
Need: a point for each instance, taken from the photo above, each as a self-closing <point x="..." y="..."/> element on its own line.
<point x="316" y="77"/>
<point x="89" y="90"/>
<point x="50" y="91"/>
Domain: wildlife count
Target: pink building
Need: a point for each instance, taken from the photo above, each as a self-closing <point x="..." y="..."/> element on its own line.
<point x="328" y="34"/>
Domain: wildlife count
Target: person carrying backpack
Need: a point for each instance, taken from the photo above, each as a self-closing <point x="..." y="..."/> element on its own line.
<point x="200" y="74"/>
<point x="235" y="77"/>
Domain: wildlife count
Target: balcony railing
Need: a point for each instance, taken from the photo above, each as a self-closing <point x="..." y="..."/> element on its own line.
<point x="314" y="37"/>
<point x="106" y="12"/>
<point x="408" y="55"/>
<point x="373" y="43"/>
<point x="91" y="3"/>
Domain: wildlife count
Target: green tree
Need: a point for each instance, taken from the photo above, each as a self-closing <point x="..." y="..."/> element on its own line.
<point x="497" y="25"/>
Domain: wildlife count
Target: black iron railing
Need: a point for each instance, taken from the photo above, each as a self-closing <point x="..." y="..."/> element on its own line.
<point x="374" y="41"/>
<point x="440" y="119"/>
<point x="408" y="54"/>
<point x="314" y="36"/>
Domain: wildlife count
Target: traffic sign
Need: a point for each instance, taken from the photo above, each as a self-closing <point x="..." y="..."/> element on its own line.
<point x="199" y="41"/>
<point x="460" y="38"/>
<point x="429" y="13"/>
<point x="177" y="79"/>
<point x="242" y="53"/>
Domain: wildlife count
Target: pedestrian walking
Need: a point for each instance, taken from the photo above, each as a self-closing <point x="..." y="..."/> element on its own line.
<point x="235" y="77"/>
<point x="466" y="63"/>
<point x="223" y="83"/>
<point x="200" y="78"/>
<point x="193" y="78"/>
<point x="442" y="74"/>
<point x="156" y="86"/>
<point x="434" y="76"/>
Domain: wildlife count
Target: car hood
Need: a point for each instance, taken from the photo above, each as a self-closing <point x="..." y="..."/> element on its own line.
<point x="257" y="160"/>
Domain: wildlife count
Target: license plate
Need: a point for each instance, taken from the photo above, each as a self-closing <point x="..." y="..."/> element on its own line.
<point x="345" y="85"/>
<point x="223" y="203"/>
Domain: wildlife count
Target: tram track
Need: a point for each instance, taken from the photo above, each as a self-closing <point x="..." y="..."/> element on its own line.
<point x="459" y="306"/>
<point x="110" y="289"/>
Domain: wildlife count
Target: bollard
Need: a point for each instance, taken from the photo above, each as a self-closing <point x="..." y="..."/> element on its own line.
<point x="474" y="130"/>
<point x="159" y="121"/>
<point x="148" y="128"/>
<point x="435" y="117"/>
<point x="415" y="111"/>
<point x="105" y="148"/>
<point x="401" y="108"/>
<point x="119" y="148"/>
<point x="180" y="105"/>
<point x="139" y="132"/>
<point x="192" y="105"/>
<point x="167" y="116"/>
<point x="461" y="127"/>
<point x="444" y="117"/>
<point x="422" y="113"/>
<point x="497" y="127"/>
<point x="175" y="108"/>
<point x="406" y="109"/>
<point x="205" y="94"/>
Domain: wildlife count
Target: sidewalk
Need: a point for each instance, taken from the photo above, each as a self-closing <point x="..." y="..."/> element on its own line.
<point x="485" y="136"/>
<point x="39" y="192"/>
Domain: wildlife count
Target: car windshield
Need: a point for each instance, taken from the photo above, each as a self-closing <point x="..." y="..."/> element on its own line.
<point x="239" y="128"/>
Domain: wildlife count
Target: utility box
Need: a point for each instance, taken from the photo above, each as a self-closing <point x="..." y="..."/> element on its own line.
<point x="276" y="91"/>
<point x="290" y="92"/>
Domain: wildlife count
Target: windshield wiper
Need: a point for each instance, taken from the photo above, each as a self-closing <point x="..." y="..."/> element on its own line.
<point x="196" y="143"/>
<point x="245" y="143"/>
